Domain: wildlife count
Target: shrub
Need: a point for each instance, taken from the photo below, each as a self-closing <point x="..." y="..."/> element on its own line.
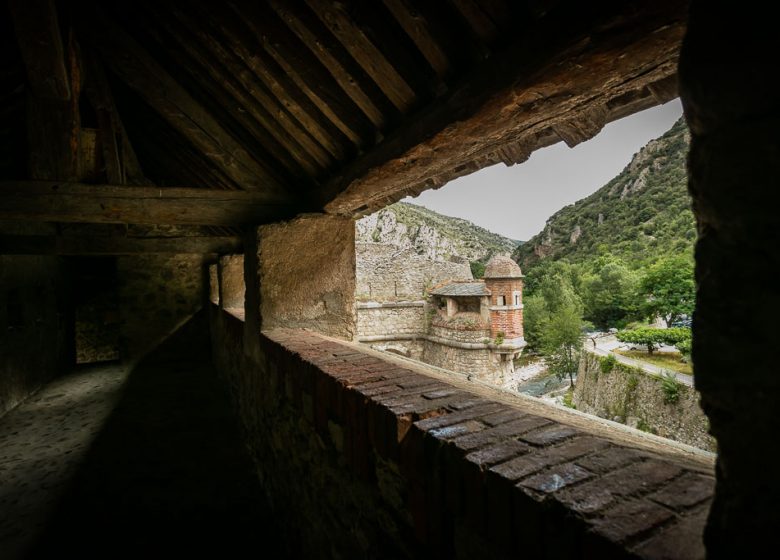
<point x="500" y="338"/>
<point x="607" y="363"/>
<point x="684" y="346"/>
<point x="670" y="387"/>
<point x="653" y="338"/>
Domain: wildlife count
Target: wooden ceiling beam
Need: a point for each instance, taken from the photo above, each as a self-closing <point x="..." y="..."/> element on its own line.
<point x="224" y="78"/>
<point x="139" y="70"/>
<point x="363" y="50"/>
<point x="74" y="202"/>
<point x="122" y="166"/>
<point x="334" y="57"/>
<point x="306" y="73"/>
<point x="416" y="26"/>
<point x="40" y="42"/>
<point x="115" y="245"/>
<point x="554" y="77"/>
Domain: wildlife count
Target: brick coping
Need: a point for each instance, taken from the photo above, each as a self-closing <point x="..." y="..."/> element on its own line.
<point x="623" y="499"/>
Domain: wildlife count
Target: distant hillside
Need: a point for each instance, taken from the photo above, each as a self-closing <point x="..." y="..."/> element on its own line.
<point x="431" y="234"/>
<point x="640" y="215"/>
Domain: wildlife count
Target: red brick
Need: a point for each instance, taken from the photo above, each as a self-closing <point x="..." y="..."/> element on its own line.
<point x="502" y="417"/>
<point x="549" y="435"/>
<point x="635" y="479"/>
<point x="454" y="430"/>
<point x="556" y="478"/>
<point x="497" y="453"/>
<point x="610" y="459"/>
<point x="685" y="491"/>
<point x="682" y="539"/>
<point x="459" y="416"/>
<point x="630" y="520"/>
<point x="497" y="433"/>
<point x="441" y="393"/>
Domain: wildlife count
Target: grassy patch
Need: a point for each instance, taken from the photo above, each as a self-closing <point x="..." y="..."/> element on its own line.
<point x="666" y="360"/>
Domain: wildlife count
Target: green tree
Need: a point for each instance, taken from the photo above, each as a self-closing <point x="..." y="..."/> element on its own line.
<point x="562" y="341"/>
<point x="670" y="289"/>
<point x="610" y="295"/>
<point x="653" y="338"/>
<point x="554" y="326"/>
<point x="477" y="269"/>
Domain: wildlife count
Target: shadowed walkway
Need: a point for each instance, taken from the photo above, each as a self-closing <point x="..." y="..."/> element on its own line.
<point x="168" y="474"/>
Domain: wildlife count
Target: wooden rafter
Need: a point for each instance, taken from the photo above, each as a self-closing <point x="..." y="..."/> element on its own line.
<point x="115" y="245"/>
<point x="73" y="202"/>
<point x="139" y="70"/>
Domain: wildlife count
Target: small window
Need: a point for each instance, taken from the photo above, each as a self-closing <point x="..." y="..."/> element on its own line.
<point x="500" y="300"/>
<point x="517" y="299"/>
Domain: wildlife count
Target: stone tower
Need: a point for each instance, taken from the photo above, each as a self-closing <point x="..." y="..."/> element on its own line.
<point x="504" y="280"/>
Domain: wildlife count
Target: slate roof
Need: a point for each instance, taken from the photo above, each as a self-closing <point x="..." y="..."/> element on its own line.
<point x="474" y="289"/>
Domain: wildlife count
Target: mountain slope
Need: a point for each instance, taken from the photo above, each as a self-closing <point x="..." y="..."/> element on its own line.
<point x="431" y="234"/>
<point x="641" y="215"/>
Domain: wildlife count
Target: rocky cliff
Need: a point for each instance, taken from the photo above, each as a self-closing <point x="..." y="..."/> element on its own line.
<point x="430" y="234"/>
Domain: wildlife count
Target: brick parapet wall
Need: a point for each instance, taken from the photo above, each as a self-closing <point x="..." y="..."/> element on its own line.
<point x="401" y="464"/>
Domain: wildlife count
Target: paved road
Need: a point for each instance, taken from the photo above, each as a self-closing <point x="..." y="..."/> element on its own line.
<point x="605" y="346"/>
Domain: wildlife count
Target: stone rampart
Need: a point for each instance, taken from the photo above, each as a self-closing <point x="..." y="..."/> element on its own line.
<point x="634" y="397"/>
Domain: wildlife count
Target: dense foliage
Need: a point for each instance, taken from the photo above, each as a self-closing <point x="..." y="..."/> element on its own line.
<point x="653" y="338"/>
<point x="554" y="325"/>
<point x="640" y="215"/>
<point x="626" y="250"/>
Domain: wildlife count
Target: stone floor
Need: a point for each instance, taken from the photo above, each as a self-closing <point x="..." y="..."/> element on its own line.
<point x="107" y="462"/>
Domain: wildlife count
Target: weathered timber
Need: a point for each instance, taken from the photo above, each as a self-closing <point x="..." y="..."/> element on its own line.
<point x="548" y="79"/>
<point x="332" y="55"/>
<point x="365" y="53"/>
<point x="114" y="245"/>
<point x="240" y="93"/>
<point x="54" y="128"/>
<point x="40" y="42"/>
<point x="73" y="202"/>
<point x="139" y="70"/>
<point x="417" y="28"/>
<point x="122" y="166"/>
<point x="479" y="21"/>
<point x="315" y="81"/>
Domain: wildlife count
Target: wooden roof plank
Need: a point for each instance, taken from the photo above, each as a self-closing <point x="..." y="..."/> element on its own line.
<point x="307" y="73"/>
<point x="270" y="84"/>
<point x="370" y="58"/>
<point x="416" y="26"/>
<point x="478" y="20"/>
<point x="328" y="54"/>
<point x="40" y="42"/>
<point x="141" y="72"/>
<point x="268" y="122"/>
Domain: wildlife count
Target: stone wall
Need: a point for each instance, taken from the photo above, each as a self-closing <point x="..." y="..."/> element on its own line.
<point x="478" y="362"/>
<point x="402" y="318"/>
<point x="230" y="271"/>
<point x="636" y="398"/>
<point x="469" y="336"/>
<point x="411" y="348"/>
<point x="386" y="272"/>
<point x="157" y="294"/>
<point x="36" y="325"/>
<point x="361" y="458"/>
<point x="307" y="274"/>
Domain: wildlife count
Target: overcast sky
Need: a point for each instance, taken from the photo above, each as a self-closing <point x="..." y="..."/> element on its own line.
<point x="516" y="201"/>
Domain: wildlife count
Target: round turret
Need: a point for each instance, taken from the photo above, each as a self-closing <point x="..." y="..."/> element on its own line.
<point x="501" y="266"/>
